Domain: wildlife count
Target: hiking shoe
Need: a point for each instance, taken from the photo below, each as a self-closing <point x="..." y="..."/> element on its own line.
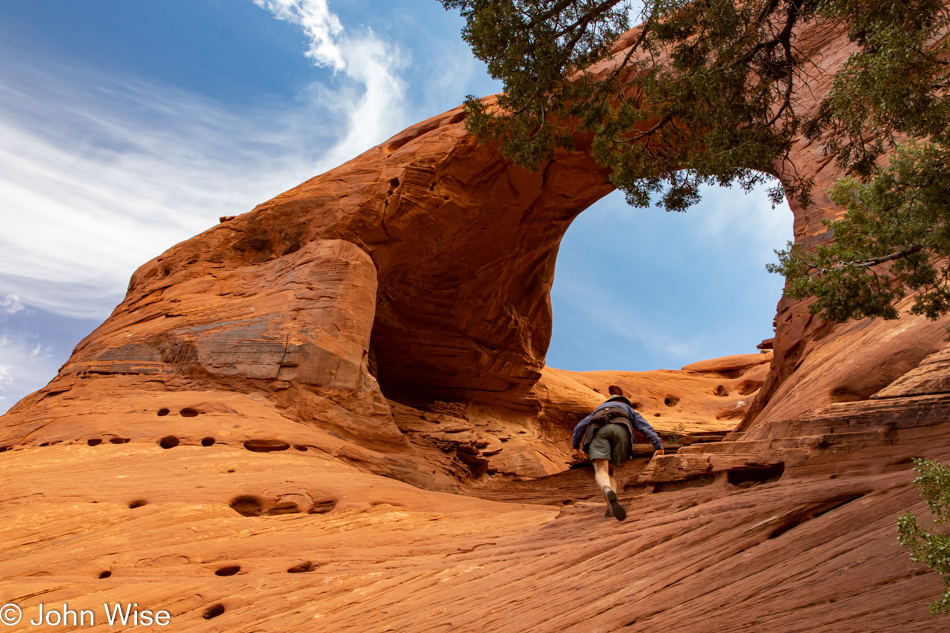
<point x="615" y="508"/>
<point x="608" y="513"/>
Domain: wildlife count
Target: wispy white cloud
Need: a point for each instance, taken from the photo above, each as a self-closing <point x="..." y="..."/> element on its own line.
<point x="10" y="304"/>
<point x="94" y="183"/>
<point x="374" y="108"/>
<point x="41" y="352"/>
<point x="320" y="25"/>
<point x="99" y="173"/>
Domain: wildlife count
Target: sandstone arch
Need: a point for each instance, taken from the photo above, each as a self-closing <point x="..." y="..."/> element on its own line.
<point x="426" y="263"/>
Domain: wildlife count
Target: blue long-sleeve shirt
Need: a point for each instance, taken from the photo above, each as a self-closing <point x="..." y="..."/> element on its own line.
<point x="635" y="418"/>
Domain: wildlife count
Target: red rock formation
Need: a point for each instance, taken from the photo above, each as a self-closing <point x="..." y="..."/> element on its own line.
<point x="461" y="249"/>
<point x="333" y="411"/>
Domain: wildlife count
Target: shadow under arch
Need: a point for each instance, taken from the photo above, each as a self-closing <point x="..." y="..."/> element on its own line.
<point x="465" y="270"/>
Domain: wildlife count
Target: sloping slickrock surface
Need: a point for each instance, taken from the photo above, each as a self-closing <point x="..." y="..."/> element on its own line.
<point x="309" y="543"/>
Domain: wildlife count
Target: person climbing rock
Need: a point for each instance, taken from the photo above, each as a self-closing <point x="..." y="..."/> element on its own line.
<point x="606" y="436"/>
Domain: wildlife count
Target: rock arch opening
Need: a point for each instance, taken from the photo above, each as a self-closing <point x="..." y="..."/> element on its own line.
<point x="463" y="310"/>
<point x="465" y="272"/>
<point x="641" y="289"/>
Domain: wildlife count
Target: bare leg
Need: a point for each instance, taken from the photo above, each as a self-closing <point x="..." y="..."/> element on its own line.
<point x="613" y="480"/>
<point x="602" y="473"/>
<point x="607" y="484"/>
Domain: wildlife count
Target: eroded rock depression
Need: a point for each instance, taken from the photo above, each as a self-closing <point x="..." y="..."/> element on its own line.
<point x="333" y="412"/>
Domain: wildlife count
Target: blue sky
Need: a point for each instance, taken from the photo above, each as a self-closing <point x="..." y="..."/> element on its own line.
<point x="126" y="127"/>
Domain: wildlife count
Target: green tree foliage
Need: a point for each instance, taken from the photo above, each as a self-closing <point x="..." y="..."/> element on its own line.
<point x="930" y="548"/>
<point x="894" y="239"/>
<point x="710" y="92"/>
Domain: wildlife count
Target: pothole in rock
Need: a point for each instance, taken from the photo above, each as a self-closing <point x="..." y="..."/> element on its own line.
<point x="747" y="387"/>
<point x="732" y="375"/>
<point x="752" y="475"/>
<point x="229" y="570"/>
<point x="207" y="441"/>
<point x="213" y="611"/>
<point x="253" y="506"/>
<point x="138" y="503"/>
<point x="266" y="446"/>
<point x="247" y="506"/>
<point x="188" y="412"/>
<point x="843" y="394"/>
<point x="169" y="441"/>
<point x="163" y="412"/>
<point x="683" y="484"/>
<point x="322" y="507"/>
<point x="302" y="568"/>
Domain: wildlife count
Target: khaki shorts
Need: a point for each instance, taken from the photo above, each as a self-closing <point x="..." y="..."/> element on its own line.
<point x="611" y="441"/>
